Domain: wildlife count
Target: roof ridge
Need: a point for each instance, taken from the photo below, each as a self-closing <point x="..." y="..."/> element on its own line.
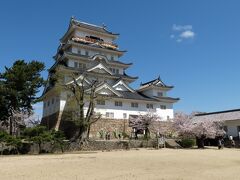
<point x="217" y="112"/>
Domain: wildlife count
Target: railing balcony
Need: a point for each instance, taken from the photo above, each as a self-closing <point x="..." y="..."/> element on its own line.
<point x="95" y="41"/>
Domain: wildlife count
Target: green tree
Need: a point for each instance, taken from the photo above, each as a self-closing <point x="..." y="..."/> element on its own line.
<point x="19" y="85"/>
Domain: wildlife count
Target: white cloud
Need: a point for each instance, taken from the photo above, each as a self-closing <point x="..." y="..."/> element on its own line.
<point x="182" y="32"/>
<point x="187" y="34"/>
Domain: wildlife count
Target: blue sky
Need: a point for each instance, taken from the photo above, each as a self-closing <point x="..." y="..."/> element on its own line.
<point x="193" y="45"/>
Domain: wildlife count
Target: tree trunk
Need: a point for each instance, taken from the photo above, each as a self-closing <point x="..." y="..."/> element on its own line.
<point x="10" y="126"/>
<point x="200" y="142"/>
<point x="88" y="133"/>
<point x="147" y="134"/>
<point x="81" y="136"/>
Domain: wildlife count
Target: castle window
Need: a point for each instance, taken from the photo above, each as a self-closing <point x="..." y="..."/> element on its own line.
<point x="112" y="58"/>
<point x="86" y="53"/>
<point x="52" y="100"/>
<point x="82" y="66"/>
<point x="76" y="64"/>
<point x="109" y="115"/>
<point x="100" y="102"/>
<point x="115" y="71"/>
<point x="149" y="106"/>
<point x="160" y="94"/>
<point x="118" y="103"/>
<point x="48" y="103"/>
<point x="225" y="128"/>
<point x="134" y="105"/>
<point x="163" y="107"/>
<point x="79" y="51"/>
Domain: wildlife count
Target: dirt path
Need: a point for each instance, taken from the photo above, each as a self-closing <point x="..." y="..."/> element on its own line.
<point x="134" y="164"/>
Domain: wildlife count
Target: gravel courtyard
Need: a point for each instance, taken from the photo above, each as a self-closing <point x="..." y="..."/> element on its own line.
<point x="133" y="164"/>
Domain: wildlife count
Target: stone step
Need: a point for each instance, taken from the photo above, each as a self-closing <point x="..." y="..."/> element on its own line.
<point x="171" y="143"/>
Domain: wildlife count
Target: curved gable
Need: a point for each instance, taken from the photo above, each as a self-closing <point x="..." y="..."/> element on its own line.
<point x="100" y="68"/>
<point x="122" y="86"/>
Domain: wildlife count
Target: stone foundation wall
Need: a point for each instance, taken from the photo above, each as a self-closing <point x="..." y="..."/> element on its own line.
<point x="119" y="126"/>
<point x="113" y="126"/>
<point x="97" y="145"/>
<point x="50" y="121"/>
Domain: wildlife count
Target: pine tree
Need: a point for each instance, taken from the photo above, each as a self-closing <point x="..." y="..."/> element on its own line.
<point x="19" y="86"/>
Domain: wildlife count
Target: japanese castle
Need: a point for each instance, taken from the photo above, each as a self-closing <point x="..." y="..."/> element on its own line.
<point x="90" y="49"/>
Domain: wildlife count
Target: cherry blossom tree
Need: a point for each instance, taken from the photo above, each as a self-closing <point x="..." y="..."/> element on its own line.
<point x="186" y="126"/>
<point x="150" y="123"/>
<point x="183" y="125"/>
<point x="207" y="129"/>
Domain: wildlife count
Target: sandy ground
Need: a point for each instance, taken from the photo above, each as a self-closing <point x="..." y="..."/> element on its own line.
<point x="134" y="164"/>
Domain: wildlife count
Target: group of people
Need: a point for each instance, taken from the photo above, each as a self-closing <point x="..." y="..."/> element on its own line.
<point x="221" y="142"/>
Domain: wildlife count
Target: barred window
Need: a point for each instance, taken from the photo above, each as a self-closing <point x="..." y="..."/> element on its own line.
<point x="134" y="104"/>
<point x="109" y="115"/>
<point x="163" y="107"/>
<point x="149" y="106"/>
<point x="160" y="94"/>
<point x="100" y="102"/>
<point x="76" y="64"/>
<point x="118" y="103"/>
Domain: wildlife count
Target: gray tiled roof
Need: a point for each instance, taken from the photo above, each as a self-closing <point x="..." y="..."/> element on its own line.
<point x="156" y="82"/>
<point x="135" y="95"/>
<point x="219" y="116"/>
<point x="92" y="27"/>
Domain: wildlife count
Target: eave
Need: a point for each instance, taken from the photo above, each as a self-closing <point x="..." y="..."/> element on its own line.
<point x="164" y="88"/>
<point x="116" y="77"/>
<point x="167" y="99"/>
<point x="85" y="58"/>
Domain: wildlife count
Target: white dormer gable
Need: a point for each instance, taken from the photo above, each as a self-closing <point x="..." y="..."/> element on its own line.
<point x="122" y="86"/>
<point x="100" y="68"/>
<point x="159" y="83"/>
<point x="105" y="89"/>
<point x="100" y="56"/>
<point x="80" y="79"/>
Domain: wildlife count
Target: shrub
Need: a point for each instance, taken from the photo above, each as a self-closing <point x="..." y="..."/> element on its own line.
<point x="40" y="135"/>
<point x="14" y="143"/>
<point x="59" y="139"/>
<point x="125" y="135"/>
<point x="187" y="143"/>
<point x="3" y="136"/>
<point x="102" y="134"/>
